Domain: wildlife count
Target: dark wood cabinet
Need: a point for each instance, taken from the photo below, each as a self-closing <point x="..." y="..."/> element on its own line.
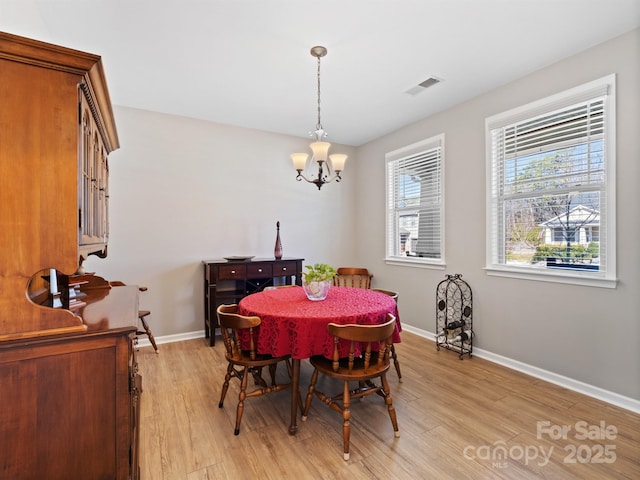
<point x="229" y="281"/>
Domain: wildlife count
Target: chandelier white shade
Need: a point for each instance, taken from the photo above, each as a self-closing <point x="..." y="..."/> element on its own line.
<point x="328" y="170"/>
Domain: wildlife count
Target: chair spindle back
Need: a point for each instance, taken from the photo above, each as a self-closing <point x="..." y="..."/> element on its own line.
<point x="353" y="277"/>
<point x="367" y="335"/>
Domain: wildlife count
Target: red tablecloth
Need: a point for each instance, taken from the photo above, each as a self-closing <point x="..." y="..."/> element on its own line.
<point x="293" y="324"/>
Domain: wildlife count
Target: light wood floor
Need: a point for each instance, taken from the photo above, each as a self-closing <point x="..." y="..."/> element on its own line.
<point x="455" y="417"/>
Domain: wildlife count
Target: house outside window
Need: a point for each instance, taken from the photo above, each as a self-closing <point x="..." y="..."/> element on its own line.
<point x="415" y="204"/>
<point x="550" y="187"/>
<point x="579" y="225"/>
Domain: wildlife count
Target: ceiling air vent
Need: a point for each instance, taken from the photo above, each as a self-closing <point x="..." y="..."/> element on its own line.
<point x="423" y="85"/>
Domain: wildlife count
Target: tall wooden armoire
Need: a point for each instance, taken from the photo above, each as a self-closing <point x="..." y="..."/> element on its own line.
<point x="69" y="387"/>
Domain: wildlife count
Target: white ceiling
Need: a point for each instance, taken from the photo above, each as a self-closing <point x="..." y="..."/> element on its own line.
<point x="247" y="62"/>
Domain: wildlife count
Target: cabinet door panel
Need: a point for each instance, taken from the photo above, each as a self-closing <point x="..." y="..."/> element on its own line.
<point x="68" y="421"/>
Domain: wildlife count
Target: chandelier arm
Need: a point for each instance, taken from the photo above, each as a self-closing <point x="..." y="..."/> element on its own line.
<point x="319" y="182"/>
<point x="321" y="179"/>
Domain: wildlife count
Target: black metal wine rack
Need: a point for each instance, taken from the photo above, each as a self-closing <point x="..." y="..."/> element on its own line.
<point x="454" y="315"/>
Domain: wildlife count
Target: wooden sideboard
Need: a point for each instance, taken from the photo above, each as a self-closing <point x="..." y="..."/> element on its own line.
<point x="69" y="388"/>
<point x="70" y="403"/>
<point x="228" y="281"/>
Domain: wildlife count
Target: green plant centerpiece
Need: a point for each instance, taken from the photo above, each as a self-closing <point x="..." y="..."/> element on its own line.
<point x="317" y="280"/>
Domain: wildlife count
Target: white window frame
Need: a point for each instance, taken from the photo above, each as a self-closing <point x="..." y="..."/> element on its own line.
<point x="415" y="149"/>
<point x="603" y="86"/>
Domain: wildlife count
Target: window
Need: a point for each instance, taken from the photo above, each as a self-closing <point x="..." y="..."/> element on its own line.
<point x="415" y="203"/>
<point x="550" y="187"/>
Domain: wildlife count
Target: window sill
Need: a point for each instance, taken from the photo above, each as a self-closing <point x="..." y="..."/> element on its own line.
<point x="419" y="262"/>
<point x="554" y="276"/>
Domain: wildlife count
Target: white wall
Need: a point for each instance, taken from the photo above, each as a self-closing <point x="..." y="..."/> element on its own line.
<point x="588" y="334"/>
<point x="185" y="190"/>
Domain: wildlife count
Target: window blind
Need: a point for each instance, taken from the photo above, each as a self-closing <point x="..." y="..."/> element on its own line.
<point x="547" y="162"/>
<point x="414" y="185"/>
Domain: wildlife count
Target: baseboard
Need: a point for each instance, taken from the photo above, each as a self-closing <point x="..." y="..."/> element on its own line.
<point x="566" y="382"/>
<point x="143" y="341"/>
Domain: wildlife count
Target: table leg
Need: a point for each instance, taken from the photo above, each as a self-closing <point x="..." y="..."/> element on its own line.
<point x="295" y="383"/>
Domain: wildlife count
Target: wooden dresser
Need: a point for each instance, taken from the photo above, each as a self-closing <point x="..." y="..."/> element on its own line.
<point x="69" y="388"/>
<point x="228" y="281"/>
<point x="70" y="403"/>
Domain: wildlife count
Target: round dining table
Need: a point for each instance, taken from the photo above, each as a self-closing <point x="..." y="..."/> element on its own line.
<point x="294" y="325"/>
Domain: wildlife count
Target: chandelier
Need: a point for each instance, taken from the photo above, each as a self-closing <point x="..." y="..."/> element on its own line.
<point x="328" y="170"/>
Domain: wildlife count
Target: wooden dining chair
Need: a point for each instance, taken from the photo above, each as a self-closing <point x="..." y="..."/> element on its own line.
<point x="364" y="368"/>
<point x="352" y="277"/>
<point x="394" y="355"/>
<point x="242" y="362"/>
<point x="142" y="316"/>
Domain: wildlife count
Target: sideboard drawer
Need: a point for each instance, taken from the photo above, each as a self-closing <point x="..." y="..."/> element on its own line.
<point x="232" y="272"/>
<point x="260" y="270"/>
<point x="284" y="268"/>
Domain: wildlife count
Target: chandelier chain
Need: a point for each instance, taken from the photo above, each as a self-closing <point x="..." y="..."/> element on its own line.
<point x="319" y="124"/>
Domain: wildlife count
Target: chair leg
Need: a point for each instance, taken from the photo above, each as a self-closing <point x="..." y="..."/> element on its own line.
<point x="389" y="401"/>
<point x="287" y="362"/>
<point x="290" y="371"/>
<point x="346" y="415"/>
<point x="241" y="396"/>
<point x="225" y="385"/>
<point x="395" y="361"/>
<point x="312" y="387"/>
<point x="272" y="373"/>
<point x="257" y="376"/>
<point x="147" y="332"/>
